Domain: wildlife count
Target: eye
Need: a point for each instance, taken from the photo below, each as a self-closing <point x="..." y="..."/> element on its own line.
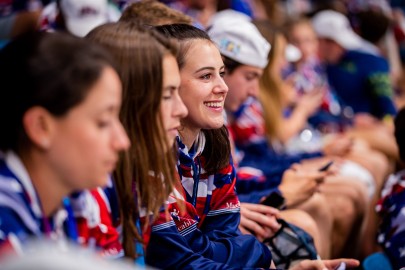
<point x="168" y="94"/>
<point x="103" y="123"/>
<point x="222" y="74"/>
<point x="250" y="77"/>
<point x="206" y="76"/>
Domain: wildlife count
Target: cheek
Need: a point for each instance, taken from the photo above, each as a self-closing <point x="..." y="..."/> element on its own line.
<point x="165" y="112"/>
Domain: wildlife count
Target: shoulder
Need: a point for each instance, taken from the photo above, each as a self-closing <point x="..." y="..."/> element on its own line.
<point x="369" y="61"/>
<point x="15" y="212"/>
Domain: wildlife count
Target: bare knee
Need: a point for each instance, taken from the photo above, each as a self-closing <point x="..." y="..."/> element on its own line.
<point x="301" y="219"/>
<point x="317" y="206"/>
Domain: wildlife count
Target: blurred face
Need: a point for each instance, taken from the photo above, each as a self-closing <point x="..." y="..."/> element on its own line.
<point x="329" y="51"/>
<point x="242" y="82"/>
<point x="172" y="108"/>
<point x="85" y="142"/>
<point x="203" y="89"/>
<point x="304" y="38"/>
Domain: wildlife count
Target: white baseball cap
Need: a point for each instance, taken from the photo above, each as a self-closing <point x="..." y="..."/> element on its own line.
<point x="336" y="26"/>
<point x="81" y="16"/>
<point x="238" y="39"/>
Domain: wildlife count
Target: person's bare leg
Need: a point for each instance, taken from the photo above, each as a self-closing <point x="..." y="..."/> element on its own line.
<point x="379" y="166"/>
<point x="304" y="221"/>
<point x="348" y="203"/>
<point x="379" y="139"/>
<point x="318" y="208"/>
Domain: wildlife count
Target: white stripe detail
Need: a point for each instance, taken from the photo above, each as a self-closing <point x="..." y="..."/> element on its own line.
<point x="223" y="211"/>
<point x="188" y="230"/>
<point x="17" y="167"/>
<point x="21" y="211"/>
<point x="163" y="226"/>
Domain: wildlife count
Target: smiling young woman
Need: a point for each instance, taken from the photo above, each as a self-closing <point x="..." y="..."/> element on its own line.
<point x="208" y="230"/>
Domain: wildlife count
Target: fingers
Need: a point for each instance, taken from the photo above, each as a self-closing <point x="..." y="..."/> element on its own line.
<point x="325" y="264"/>
<point x="350" y="263"/>
<point x="309" y="265"/>
<point x="261" y="220"/>
<point x="252" y="226"/>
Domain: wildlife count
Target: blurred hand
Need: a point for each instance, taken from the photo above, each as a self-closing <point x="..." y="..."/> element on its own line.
<point x="365" y="120"/>
<point x="299" y="184"/>
<point x="259" y="220"/>
<point x="309" y="102"/>
<point x="324" y="264"/>
<point x="339" y="146"/>
<point x="314" y="164"/>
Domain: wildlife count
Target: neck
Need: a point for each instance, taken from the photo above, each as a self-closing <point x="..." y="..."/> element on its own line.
<point x="189" y="135"/>
<point x="48" y="185"/>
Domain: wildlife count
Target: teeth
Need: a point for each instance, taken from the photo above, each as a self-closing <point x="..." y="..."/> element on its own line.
<point x="214" y="104"/>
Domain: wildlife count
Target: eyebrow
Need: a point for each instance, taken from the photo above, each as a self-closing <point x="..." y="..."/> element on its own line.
<point x="254" y="73"/>
<point x="209" y="68"/>
<point x="170" y="88"/>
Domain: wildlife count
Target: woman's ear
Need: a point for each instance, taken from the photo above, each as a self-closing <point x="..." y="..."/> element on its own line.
<point x="38" y="125"/>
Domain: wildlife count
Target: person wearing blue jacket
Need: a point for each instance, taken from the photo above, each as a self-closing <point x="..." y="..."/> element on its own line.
<point x="205" y="166"/>
<point x="60" y="100"/>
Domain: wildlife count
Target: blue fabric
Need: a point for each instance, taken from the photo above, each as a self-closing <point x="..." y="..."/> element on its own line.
<point x="205" y="236"/>
<point x="263" y="157"/>
<point x="376" y="261"/>
<point x="17" y="215"/>
<point x="256" y="196"/>
<point x="362" y="82"/>
<point x="168" y="249"/>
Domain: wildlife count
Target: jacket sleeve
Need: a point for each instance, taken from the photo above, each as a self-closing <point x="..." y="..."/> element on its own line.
<point x="179" y="244"/>
<point x="222" y="221"/>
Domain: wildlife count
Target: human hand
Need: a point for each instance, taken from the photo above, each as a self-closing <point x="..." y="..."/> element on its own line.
<point x="324" y="264"/>
<point x="261" y="220"/>
<point x="338" y="146"/>
<point x="309" y="102"/>
<point x="315" y="164"/>
<point x="365" y="120"/>
<point x="299" y="184"/>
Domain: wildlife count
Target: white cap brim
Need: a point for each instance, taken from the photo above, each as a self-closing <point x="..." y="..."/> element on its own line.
<point x="81" y="27"/>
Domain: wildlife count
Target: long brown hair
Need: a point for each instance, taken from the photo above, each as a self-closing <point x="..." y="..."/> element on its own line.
<point x="270" y="82"/>
<point x="147" y="167"/>
<point x="217" y="150"/>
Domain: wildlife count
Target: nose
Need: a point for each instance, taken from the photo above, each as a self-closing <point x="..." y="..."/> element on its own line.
<point x="253" y="90"/>
<point x="179" y="110"/>
<point x="220" y="87"/>
<point x="120" y="139"/>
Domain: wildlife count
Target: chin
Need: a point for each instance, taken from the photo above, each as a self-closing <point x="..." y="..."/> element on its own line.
<point x="216" y="125"/>
<point x="101" y="181"/>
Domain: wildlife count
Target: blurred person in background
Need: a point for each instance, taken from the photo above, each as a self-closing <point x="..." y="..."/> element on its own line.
<point x="77" y="17"/>
<point x="63" y="136"/>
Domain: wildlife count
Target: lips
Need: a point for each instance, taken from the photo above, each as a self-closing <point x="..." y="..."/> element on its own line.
<point x="176" y="127"/>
